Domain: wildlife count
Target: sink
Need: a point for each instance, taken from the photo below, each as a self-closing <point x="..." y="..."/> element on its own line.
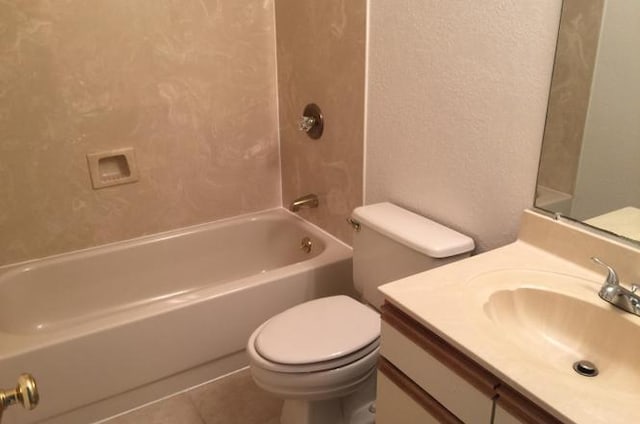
<point x="528" y="311"/>
<point x="555" y="320"/>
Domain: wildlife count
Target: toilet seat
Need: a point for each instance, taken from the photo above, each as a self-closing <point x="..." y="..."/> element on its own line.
<point x="315" y="336"/>
<point x="259" y="360"/>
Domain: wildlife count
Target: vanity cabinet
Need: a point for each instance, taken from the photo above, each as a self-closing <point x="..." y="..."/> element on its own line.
<point x="424" y="379"/>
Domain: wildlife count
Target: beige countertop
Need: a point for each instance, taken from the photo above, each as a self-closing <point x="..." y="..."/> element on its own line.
<point x="625" y="221"/>
<point x="532" y="349"/>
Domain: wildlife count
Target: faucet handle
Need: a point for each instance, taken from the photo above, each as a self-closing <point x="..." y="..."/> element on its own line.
<point x="612" y="275"/>
<point x="312" y="121"/>
<point x="306" y="123"/>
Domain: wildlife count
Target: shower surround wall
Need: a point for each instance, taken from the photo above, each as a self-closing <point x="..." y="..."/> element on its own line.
<point x="321" y="53"/>
<point x="190" y="84"/>
<point x="570" y="93"/>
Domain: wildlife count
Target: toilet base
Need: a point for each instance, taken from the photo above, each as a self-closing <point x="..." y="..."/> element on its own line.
<point x="352" y="409"/>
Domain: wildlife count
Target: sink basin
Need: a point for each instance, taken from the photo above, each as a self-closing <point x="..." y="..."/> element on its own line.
<point x="555" y="320"/>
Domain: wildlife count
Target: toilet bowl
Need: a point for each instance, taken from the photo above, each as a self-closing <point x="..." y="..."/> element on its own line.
<point x="321" y="356"/>
<point x="316" y="356"/>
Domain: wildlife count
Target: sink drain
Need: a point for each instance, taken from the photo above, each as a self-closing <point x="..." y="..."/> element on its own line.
<point x="585" y="368"/>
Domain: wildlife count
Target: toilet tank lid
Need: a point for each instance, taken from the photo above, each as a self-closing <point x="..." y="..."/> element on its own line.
<point x="412" y="230"/>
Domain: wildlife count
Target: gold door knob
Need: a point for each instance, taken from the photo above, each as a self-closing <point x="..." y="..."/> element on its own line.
<point x="25" y="393"/>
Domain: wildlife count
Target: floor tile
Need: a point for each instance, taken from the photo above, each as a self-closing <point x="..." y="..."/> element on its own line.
<point x="235" y="400"/>
<point x="174" y="410"/>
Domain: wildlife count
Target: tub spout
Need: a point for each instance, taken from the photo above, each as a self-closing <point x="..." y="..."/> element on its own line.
<point x="309" y="201"/>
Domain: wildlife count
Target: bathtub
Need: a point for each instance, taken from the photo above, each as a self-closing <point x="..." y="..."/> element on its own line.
<point x="110" y="328"/>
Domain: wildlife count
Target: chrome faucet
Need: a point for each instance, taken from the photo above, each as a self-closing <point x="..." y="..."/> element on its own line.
<point x="309" y="201"/>
<point x="612" y="292"/>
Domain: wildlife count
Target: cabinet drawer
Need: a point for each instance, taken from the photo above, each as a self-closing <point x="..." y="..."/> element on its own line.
<point x="502" y="416"/>
<point x="514" y="408"/>
<point x="460" y="385"/>
<point x="401" y="401"/>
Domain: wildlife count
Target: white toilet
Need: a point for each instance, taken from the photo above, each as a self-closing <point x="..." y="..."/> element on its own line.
<point x="321" y="356"/>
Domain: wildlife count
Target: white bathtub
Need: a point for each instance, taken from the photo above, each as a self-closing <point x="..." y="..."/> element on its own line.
<point x="109" y="328"/>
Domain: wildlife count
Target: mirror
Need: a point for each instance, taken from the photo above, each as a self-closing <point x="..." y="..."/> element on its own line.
<point x="590" y="163"/>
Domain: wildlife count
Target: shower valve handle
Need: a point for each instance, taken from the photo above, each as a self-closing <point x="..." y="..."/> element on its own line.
<point x="312" y="121"/>
<point x="306" y="123"/>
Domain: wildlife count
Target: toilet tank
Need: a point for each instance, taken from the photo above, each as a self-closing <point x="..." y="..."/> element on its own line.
<point x="393" y="243"/>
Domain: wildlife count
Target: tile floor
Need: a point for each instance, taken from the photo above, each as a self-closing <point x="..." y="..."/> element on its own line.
<point x="234" y="399"/>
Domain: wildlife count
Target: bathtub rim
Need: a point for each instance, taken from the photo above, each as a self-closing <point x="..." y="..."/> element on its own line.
<point x="12" y="344"/>
<point x="149" y="238"/>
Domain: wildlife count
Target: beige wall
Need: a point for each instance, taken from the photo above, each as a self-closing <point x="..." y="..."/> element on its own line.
<point x="190" y="84"/>
<point x="570" y="91"/>
<point x="454" y="118"/>
<point x="457" y="94"/>
<point x="321" y="59"/>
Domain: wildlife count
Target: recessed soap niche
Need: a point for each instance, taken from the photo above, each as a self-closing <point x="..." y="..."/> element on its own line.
<point x="112" y="167"/>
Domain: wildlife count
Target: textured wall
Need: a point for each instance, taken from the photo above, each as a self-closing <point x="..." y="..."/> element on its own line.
<point x="190" y="84"/>
<point x="569" y="96"/>
<point x="457" y="94"/>
<point x="321" y="52"/>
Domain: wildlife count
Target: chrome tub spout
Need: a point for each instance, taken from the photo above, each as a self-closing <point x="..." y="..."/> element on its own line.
<point x="308" y="201"/>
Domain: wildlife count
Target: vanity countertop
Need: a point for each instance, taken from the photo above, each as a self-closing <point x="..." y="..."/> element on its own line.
<point x="625" y="221"/>
<point x="529" y="351"/>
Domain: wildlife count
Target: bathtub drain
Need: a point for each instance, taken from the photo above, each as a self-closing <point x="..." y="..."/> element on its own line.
<point x="305" y="244"/>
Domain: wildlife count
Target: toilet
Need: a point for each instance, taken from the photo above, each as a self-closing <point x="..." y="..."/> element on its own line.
<point x="321" y="356"/>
